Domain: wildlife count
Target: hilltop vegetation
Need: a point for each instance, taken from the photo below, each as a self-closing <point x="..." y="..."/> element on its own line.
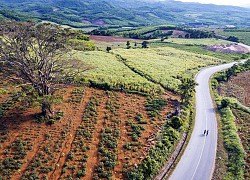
<point x="84" y="13"/>
<point x="243" y="35"/>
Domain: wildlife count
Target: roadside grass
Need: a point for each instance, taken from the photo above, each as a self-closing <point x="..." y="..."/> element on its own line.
<point x="220" y="168"/>
<point x="233" y="145"/>
<point x="232" y="153"/>
<point x="188" y="131"/>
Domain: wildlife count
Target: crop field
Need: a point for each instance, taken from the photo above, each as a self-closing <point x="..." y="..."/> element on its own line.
<point x="162" y="66"/>
<point x="202" y="42"/>
<point x="243" y="36"/>
<point x="102" y="134"/>
<point x="165" y="65"/>
<point x="197" y="49"/>
<point x="238" y="87"/>
<point x="102" y="42"/>
<point x="243" y="125"/>
<point x="108" y="71"/>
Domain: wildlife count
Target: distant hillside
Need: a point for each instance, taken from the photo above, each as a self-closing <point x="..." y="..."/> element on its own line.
<point x="80" y="13"/>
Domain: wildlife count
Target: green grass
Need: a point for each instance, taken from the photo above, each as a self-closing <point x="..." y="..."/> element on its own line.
<point x="198" y="49"/>
<point x="164" y="65"/>
<point x="243" y="36"/>
<point x="233" y="145"/>
<point x="108" y="71"/>
<point x="206" y="42"/>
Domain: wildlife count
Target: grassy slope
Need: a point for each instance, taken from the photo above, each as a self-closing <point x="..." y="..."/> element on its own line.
<point x="124" y="13"/>
<point x="197" y="49"/>
<point x="243" y="36"/>
<point x="207" y="41"/>
<point x="164" y="65"/>
<point x="106" y="69"/>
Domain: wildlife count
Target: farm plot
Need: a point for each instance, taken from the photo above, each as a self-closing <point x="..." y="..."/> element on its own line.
<point x="243" y="125"/>
<point x="165" y="65"/>
<point x="102" y="134"/>
<point x="238" y="87"/>
<point x="244" y="36"/>
<point x="202" y="42"/>
<point x="109" y="73"/>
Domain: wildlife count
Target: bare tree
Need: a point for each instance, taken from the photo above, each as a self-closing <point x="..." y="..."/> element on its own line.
<point x="38" y="56"/>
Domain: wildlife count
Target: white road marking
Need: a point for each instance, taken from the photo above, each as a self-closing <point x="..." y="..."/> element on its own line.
<point x="204" y="142"/>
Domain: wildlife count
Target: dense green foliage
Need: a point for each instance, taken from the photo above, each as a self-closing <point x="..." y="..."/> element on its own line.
<point x="152" y="32"/>
<point x="83" y="13"/>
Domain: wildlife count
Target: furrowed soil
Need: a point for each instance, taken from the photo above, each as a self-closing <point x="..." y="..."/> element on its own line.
<point x="75" y="146"/>
<point x="238" y="87"/>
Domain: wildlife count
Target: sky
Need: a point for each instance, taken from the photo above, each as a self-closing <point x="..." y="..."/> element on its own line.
<point x="221" y="2"/>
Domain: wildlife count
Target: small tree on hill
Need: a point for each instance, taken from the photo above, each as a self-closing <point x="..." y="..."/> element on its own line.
<point x="144" y="44"/>
<point x="108" y="49"/>
<point x="135" y="45"/>
<point x="37" y="56"/>
<point x="128" y="45"/>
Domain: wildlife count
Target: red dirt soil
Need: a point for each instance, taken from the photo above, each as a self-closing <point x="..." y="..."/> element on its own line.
<point x="111" y="39"/>
<point x="48" y="146"/>
<point x="238" y="87"/>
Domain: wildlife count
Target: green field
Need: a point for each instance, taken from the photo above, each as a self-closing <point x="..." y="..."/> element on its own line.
<point x="144" y="69"/>
<point x="244" y="37"/>
<point x="206" y="42"/>
<point x="197" y="49"/>
<point x="165" y="65"/>
<point x="108" y="70"/>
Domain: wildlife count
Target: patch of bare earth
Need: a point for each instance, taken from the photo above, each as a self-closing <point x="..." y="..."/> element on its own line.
<point x="54" y="151"/>
<point x="228" y="48"/>
<point x="110" y="39"/>
<point x="238" y="87"/>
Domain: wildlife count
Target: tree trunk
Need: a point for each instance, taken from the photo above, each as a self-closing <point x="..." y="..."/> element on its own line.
<point x="47" y="111"/>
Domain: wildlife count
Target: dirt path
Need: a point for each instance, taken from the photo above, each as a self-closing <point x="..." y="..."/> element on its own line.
<point x="75" y="118"/>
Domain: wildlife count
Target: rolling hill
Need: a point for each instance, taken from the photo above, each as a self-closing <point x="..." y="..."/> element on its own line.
<point x="82" y="13"/>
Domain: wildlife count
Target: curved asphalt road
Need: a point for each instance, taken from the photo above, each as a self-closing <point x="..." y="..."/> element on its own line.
<point x="198" y="160"/>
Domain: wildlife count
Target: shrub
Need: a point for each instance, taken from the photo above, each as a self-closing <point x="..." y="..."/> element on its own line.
<point x="80" y="173"/>
<point x="70" y="156"/>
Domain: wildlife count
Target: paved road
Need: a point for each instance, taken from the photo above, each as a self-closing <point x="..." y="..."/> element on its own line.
<point x="198" y="160"/>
